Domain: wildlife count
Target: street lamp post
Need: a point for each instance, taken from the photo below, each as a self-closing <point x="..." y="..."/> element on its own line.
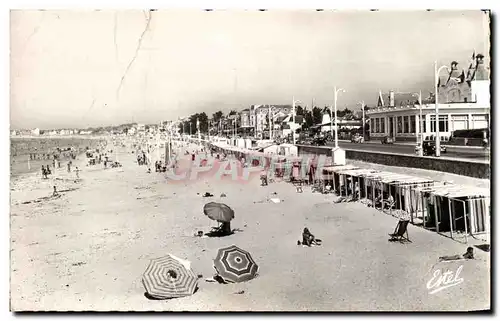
<point x="336" y="122"/>
<point x="198" y="129"/>
<point x="363" y="112"/>
<point x="293" y="118"/>
<point x="436" y="79"/>
<point x="420" y="124"/>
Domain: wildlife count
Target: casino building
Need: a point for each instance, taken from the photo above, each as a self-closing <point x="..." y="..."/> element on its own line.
<point x="464" y="103"/>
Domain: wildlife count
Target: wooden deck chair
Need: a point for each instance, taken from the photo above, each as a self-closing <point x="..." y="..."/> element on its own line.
<point x="400" y="231"/>
<point x="298" y="185"/>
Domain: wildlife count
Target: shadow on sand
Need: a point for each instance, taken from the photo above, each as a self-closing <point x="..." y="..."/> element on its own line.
<point x="220" y="234"/>
<point x="149" y="297"/>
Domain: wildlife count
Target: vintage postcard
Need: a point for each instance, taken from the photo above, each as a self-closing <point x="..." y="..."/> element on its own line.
<point x="250" y="160"/>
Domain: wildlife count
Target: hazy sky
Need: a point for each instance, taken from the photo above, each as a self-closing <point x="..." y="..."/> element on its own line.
<point x="67" y="66"/>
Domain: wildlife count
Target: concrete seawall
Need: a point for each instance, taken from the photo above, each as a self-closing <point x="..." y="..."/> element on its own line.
<point x="471" y="168"/>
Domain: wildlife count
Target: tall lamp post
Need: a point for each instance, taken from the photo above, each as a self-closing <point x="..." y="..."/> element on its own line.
<point x="436" y="79"/>
<point x="198" y="129"/>
<point x="336" y="92"/>
<point x="420" y="124"/>
<point x="293" y="118"/>
<point x="363" y="121"/>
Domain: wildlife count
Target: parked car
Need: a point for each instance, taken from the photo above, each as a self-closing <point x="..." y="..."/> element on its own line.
<point x="387" y="140"/>
<point x="429" y="148"/>
<point x="357" y="138"/>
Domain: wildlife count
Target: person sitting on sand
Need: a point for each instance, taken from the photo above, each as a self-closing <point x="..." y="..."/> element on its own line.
<point x="469" y="255"/>
<point x="223" y="230"/>
<point x="263" y="178"/>
<point x="308" y="238"/>
<point x="55" y="193"/>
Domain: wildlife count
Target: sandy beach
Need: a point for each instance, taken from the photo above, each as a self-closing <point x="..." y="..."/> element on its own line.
<point x="87" y="250"/>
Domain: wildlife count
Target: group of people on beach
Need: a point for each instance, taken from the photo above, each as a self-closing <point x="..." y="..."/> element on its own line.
<point x="47" y="171"/>
<point x="160" y="167"/>
<point x="54" y="156"/>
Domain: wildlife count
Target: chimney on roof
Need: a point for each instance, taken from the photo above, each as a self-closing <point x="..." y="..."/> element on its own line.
<point x="391" y="98"/>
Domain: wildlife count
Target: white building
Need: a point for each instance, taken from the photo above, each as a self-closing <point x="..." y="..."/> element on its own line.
<point x="35" y="132"/>
<point x="290" y="124"/>
<point x="342" y="122"/>
<point x="464" y="103"/>
<point x="259" y="116"/>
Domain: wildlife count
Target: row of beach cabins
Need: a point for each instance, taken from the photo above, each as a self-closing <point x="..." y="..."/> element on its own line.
<point x="451" y="210"/>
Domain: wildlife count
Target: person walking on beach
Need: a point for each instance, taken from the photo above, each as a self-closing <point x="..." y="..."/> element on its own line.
<point x="55" y="193"/>
<point x="77" y="171"/>
<point x="69" y="166"/>
<point x="48" y="170"/>
<point x="44" y="172"/>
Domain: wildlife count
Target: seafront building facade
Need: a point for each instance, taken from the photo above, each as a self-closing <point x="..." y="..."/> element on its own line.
<point x="258" y="115"/>
<point x="464" y="103"/>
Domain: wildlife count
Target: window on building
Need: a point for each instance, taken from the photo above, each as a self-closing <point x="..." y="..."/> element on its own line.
<point x="443" y="123"/>
<point x="458" y="122"/>
<point x="372" y="125"/>
<point x="382" y="125"/>
<point x="377" y="125"/>
<point x="413" y="124"/>
<point x="424" y="124"/>
<point x="406" y="124"/>
<point x="433" y="123"/>
<point x="480" y="121"/>
<point x="400" y="124"/>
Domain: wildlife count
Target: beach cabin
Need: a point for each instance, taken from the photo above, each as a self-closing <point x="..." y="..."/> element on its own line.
<point x="240" y="143"/>
<point x="288" y="150"/>
<point x="248" y="143"/>
<point x="457" y="210"/>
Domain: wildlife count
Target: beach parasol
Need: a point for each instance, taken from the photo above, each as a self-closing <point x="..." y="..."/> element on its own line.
<point x="169" y="277"/>
<point x="218" y="211"/>
<point x="235" y="265"/>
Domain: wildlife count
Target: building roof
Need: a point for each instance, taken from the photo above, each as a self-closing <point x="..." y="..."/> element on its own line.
<point x="280" y="119"/>
<point x="400" y="99"/>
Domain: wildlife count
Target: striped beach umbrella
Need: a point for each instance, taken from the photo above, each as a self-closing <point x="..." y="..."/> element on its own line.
<point x="235" y="265"/>
<point x="169" y="277"/>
